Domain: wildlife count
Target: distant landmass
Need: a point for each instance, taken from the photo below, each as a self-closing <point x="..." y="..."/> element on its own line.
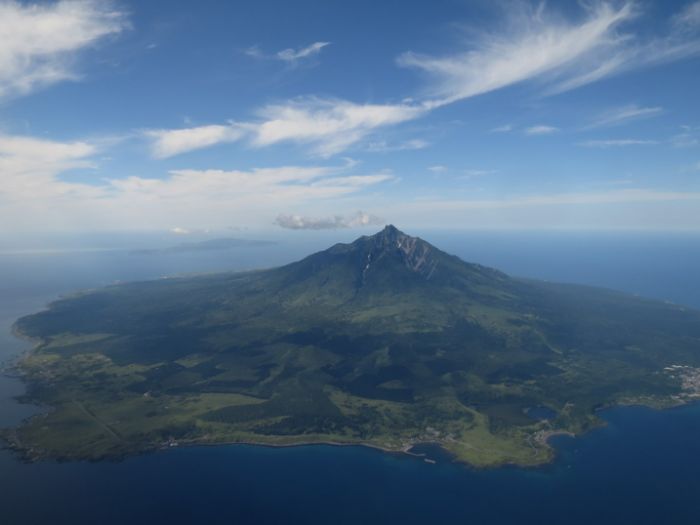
<point x="386" y="342"/>
<point x="202" y="246"/>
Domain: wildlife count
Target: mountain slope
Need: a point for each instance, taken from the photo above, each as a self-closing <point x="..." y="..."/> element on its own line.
<point x="386" y="341"/>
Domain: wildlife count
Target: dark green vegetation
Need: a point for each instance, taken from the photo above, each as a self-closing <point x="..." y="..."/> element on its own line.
<point x="386" y="341"/>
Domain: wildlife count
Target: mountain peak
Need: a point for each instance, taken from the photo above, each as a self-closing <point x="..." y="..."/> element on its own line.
<point x="414" y="253"/>
<point x="390" y="235"/>
<point x="388" y="261"/>
<point x="390" y="231"/>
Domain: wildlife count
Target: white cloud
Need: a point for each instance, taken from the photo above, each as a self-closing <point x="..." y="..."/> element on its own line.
<point x="293" y="55"/>
<point x="222" y="184"/>
<point x="42" y="151"/>
<point x="471" y="173"/>
<point x="329" y="126"/>
<point x="689" y="18"/>
<point x="503" y="129"/>
<point x="533" y="43"/>
<point x="28" y="164"/>
<point x="36" y="192"/>
<point x="382" y="146"/>
<point x="356" y="181"/>
<point x="35" y="188"/>
<point x="624" y="114"/>
<point x="541" y="129"/>
<point x="254" y="52"/>
<point x="688" y="138"/>
<point x="616" y="143"/>
<point x="214" y="198"/>
<point x="167" y="143"/>
<point x="439" y="168"/>
<point x="299" y="222"/>
<point x="40" y="41"/>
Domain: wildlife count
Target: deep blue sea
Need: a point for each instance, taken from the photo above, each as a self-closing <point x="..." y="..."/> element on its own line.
<point x="642" y="468"/>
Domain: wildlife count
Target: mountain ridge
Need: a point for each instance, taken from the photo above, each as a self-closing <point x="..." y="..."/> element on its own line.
<point x="392" y="260"/>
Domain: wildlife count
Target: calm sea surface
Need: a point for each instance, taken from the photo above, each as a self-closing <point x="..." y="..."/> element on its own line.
<point x="642" y="468"/>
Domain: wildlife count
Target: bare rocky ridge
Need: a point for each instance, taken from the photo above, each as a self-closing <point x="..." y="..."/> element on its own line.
<point x="415" y="253"/>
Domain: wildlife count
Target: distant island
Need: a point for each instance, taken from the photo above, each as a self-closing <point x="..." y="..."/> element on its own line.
<point x="205" y="246"/>
<point x="385" y="342"/>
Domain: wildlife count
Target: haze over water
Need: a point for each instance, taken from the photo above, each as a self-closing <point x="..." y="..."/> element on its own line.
<point x="642" y="468"/>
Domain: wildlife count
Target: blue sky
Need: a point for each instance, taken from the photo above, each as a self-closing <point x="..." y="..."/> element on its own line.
<point x="308" y="115"/>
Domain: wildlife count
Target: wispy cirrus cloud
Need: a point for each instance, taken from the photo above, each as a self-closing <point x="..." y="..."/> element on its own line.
<point x="40" y="42"/>
<point x="336" y="222"/>
<point x="171" y="142"/>
<point x="505" y="128"/>
<point x="214" y="198"/>
<point x="294" y="55"/>
<point x="327" y="126"/>
<point x="290" y="55"/>
<point x="688" y="19"/>
<point x="242" y="185"/>
<point x="622" y="115"/>
<point x="689" y="137"/>
<point x="472" y="173"/>
<point x="36" y="194"/>
<point x="541" y="129"/>
<point x="616" y="143"/>
<point x="534" y="43"/>
<point x="382" y="146"/>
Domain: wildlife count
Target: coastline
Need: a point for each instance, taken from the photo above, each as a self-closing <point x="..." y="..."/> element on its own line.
<point x="17" y="332"/>
<point x="10" y="440"/>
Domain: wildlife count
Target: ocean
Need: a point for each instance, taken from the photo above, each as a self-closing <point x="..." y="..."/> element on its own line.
<point x="641" y="468"/>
